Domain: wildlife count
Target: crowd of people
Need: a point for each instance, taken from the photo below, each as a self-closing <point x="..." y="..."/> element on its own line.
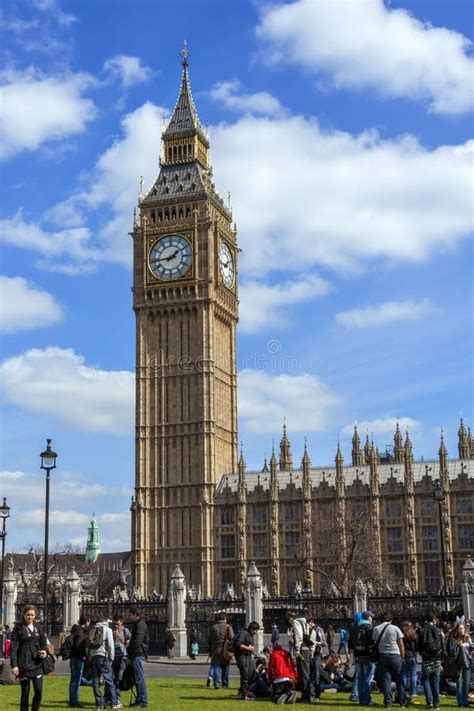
<point x="369" y="656"/>
<point x="99" y="656"/>
<point x="400" y="662"/>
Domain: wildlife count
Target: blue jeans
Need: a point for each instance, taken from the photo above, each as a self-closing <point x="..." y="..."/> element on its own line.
<point x="76" y="665"/>
<point x="409" y="675"/>
<point x="390" y="669"/>
<point x="354" y="695"/>
<point x="139" y="671"/>
<point x="462" y="686"/>
<point x="316" y="675"/>
<point x="364" y="671"/>
<point x="430" y="681"/>
<point x="216" y="670"/>
<point x="101" y="666"/>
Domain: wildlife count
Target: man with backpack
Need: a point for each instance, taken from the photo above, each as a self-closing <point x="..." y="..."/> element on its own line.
<point x="100" y="646"/>
<point x="431" y="648"/>
<point x="389" y="652"/>
<point x="361" y="643"/>
<point x="137" y="653"/>
<point x="74" y="649"/>
<point x="302" y="644"/>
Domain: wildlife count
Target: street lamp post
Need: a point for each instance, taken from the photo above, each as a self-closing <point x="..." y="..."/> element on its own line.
<point x="48" y="462"/>
<point x="440" y="497"/>
<point x="4" y="514"/>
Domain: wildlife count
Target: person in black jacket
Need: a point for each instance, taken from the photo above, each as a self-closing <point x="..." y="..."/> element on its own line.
<point x="28" y="648"/>
<point x="137" y="652"/>
<point x="76" y="660"/>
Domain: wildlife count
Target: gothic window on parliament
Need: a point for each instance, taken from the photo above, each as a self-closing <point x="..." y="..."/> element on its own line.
<point x="427" y="507"/>
<point x="291" y="513"/>
<point x="292" y="541"/>
<point x="393" y="508"/>
<point x="228" y="546"/>
<point x="227" y="517"/>
<point x="397" y="570"/>
<point x="260" y="545"/>
<point x="259" y="514"/>
<point x="395" y="540"/>
<point x="432" y="576"/>
<point x="464" y="506"/>
<point x="466" y="537"/>
<point x="429" y="538"/>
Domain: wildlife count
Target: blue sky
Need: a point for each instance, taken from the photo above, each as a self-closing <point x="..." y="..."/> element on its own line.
<point x="342" y="131"/>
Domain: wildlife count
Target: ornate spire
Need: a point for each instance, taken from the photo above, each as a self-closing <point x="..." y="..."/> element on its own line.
<point x="242" y="466"/>
<point x="464" y="445"/>
<point x="185" y="118"/>
<point x="306" y="461"/>
<point x="339" y="459"/>
<point x="286" y="462"/>
<point x="93" y="541"/>
<point x="398" y="445"/>
<point x="367" y="448"/>
<point x="443" y="452"/>
<point x="273" y="459"/>
<point x="357" y="454"/>
<point x="408" y="446"/>
<point x="265" y="466"/>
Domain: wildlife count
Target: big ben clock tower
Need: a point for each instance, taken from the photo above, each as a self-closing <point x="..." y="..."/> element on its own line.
<point x="186" y="306"/>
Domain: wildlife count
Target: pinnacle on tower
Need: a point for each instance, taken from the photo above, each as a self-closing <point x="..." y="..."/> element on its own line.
<point x="286" y="462"/>
<point x="93" y="542"/>
<point x="408" y="445"/>
<point x="185" y="118"/>
<point x="241" y="464"/>
<point x="339" y="459"/>
<point x="306" y="461"/>
<point x="265" y="466"/>
<point x="367" y="448"/>
<point x="357" y="455"/>
<point x="442" y="452"/>
<point x="398" y="445"/>
<point x="464" y="445"/>
<point x="273" y="459"/>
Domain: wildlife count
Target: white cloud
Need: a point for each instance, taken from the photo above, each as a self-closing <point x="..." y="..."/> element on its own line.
<point x="386" y="313"/>
<point x="368" y="45"/>
<point x="306" y="197"/>
<point x="50" y="380"/>
<point x="230" y="94"/>
<point x="265" y="400"/>
<point x="264" y="306"/>
<point x="64" y="518"/>
<point x="24" y="306"/>
<point x="129" y="70"/>
<point x="381" y="425"/>
<point x="68" y="250"/>
<point x="60" y="109"/>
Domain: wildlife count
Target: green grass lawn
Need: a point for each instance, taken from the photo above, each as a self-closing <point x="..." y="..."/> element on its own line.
<point x="176" y="694"/>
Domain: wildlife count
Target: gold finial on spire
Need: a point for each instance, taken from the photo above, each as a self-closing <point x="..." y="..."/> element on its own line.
<point x="185" y="54"/>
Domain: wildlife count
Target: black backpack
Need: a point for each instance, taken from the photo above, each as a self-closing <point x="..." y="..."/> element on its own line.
<point x="66" y="648"/>
<point x="128" y="678"/>
<point x="360" y="640"/>
<point x="95" y="637"/>
<point x="431" y="641"/>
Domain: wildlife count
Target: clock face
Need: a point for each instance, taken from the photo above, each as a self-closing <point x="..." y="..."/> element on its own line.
<point x="226" y="265"/>
<point x="170" y="257"/>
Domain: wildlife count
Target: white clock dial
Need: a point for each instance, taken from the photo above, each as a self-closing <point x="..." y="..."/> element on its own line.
<point x="170" y="257"/>
<point x="226" y="265"/>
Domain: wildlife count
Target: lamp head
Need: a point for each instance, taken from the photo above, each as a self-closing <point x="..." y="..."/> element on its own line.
<point x="48" y="457"/>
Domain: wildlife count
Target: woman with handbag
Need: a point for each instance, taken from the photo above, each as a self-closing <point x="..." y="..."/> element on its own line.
<point x="28" y="650"/>
<point x="462" y="655"/>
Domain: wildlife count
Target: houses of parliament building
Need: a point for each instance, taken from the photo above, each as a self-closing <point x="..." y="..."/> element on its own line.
<point x="195" y="503"/>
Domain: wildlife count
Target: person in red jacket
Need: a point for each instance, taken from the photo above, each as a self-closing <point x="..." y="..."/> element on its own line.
<point x="283" y="675"/>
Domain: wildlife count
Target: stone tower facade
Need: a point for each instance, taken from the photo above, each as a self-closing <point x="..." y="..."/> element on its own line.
<point x="186" y="306"/>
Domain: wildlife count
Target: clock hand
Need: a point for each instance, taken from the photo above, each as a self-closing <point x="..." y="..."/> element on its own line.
<point x="168" y="259"/>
